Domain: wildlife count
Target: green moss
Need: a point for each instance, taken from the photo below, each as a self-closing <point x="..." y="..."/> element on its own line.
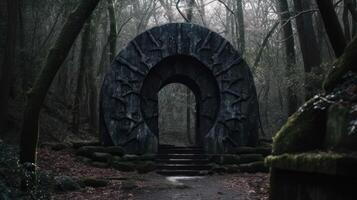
<point x="337" y="124"/>
<point x="347" y="62"/>
<point x="319" y="162"/>
<point x="303" y="131"/>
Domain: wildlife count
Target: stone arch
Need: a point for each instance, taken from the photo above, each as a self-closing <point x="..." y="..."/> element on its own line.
<point x="194" y="56"/>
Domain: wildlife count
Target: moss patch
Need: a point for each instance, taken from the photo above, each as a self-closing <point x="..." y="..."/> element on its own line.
<point x="337" y="134"/>
<point x="304" y="130"/>
<point x="319" y="162"/>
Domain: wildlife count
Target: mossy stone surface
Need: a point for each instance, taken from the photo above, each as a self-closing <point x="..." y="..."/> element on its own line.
<point x="304" y="130"/>
<point x="145" y="166"/>
<point x="66" y="183"/>
<point x="248" y="158"/>
<point x="338" y="136"/>
<point x="124" y="166"/>
<point x="254" y="167"/>
<point x="318" y="162"/>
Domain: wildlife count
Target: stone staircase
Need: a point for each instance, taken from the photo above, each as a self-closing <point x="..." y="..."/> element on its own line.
<point x="182" y="161"/>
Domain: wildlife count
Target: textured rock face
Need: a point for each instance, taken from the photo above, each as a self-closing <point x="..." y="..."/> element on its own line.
<point x="179" y="53"/>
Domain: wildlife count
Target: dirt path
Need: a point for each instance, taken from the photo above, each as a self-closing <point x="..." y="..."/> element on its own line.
<point x="237" y="186"/>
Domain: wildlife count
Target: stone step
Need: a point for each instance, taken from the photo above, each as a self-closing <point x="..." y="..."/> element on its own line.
<point x="181" y="151"/>
<point x="183" y="172"/>
<point x="177" y="147"/>
<point x="183" y="161"/>
<point x="181" y="156"/>
<point x="183" y="167"/>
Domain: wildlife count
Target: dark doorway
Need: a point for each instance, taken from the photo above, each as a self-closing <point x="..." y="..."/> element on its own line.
<point x="177" y="116"/>
<point x="192" y="74"/>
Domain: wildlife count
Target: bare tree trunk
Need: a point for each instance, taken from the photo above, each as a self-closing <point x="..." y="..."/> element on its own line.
<point x="346" y="22"/>
<point x="307" y="37"/>
<point x="283" y="9"/>
<point x="191" y="5"/>
<point x="54" y="60"/>
<point x="354" y="22"/>
<point x="202" y="11"/>
<point x="240" y="20"/>
<point x="91" y="85"/>
<point x="76" y="111"/>
<point x="112" y="31"/>
<point x="8" y="65"/>
<point x="332" y="26"/>
<point x="308" y="42"/>
<point x="347" y="62"/>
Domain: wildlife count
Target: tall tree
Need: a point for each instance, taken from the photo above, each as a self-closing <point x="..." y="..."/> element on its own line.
<point x="307" y="37"/>
<point x="332" y="26"/>
<point x="112" y="30"/>
<point x="353" y="5"/>
<point x="191" y="4"/>
<point x="308" y="43"/>
<point x="8" y="65"/>
<point x="54" y="60"/>
<point x="82" y="72"/>
<point x="346" y="22"/>
<point x="284" y="13"/>
<point x="240" y="24"/>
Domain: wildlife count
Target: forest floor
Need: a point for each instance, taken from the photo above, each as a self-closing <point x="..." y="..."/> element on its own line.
<point x="151" y="186"/>
<point x="55" y="164"/>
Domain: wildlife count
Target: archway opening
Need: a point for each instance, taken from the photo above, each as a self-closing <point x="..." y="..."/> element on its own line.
<point x="193" y="74"/>
<point x="177" y="116"/>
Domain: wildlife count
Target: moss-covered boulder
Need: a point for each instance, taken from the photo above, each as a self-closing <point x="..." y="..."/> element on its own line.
<point x="340" y="131"/>
<point x="128" y="185"/>
<point x="304" y="130"/>
<point x="225" y="159"/>
<point x="264" y="150"/>
<point x="316" y="162"/>
<point x="124" y="166"/>
<point x="218" y="169"/>
<point x="231" y="169"/>
<point x="88" y="151"/>
<point x="79" y="144"/>
<point x="66" y="183"/>
<point x="4" y="192"/>
<point x="145" y="166"/>
<point x="253" y="167"/>
<point x="101" y="157"/>
<point x="130" y="157"/>
<point x="248" y="158"/>
<point x="115" y="150"/>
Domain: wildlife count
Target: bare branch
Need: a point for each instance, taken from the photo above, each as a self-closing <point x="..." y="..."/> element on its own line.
<point x="352" y="10"/>
<point x="227" y="7"/>
<point x="265" y="41"/>
<point x="179" y="10"/>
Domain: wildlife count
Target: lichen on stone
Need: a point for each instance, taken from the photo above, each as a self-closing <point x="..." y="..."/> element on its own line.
<point x="313" y="162"/>
<point x="304" y="130"/>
